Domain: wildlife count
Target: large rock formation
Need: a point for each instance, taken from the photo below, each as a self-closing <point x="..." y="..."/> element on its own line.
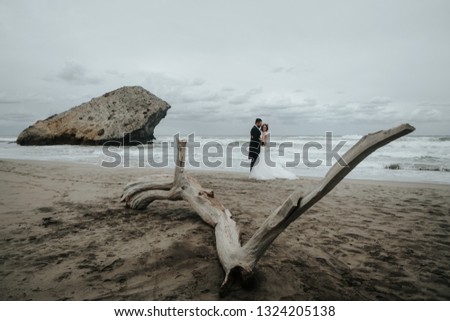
<point x="127" y="115"/>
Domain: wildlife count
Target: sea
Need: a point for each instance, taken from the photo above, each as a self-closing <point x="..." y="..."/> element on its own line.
<point x="424" y="159"/>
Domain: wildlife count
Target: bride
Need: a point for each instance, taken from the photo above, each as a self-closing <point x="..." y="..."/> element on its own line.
<point x="262" y="170"/>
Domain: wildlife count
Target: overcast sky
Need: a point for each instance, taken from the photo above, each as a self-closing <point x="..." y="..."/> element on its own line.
<point x="305" y="67"/>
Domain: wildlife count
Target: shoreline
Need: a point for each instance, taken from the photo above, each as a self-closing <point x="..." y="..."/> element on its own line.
<point x="229" y="171"/>
<point x="66" y="236"/>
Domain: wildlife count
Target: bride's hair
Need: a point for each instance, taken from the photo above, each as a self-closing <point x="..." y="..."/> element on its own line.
<point x="267" y="127"/>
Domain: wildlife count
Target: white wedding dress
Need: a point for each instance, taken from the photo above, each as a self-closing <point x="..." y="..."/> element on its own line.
<point x="263" y="170"/>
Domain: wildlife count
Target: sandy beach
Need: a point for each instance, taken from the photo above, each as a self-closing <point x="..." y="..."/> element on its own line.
<point x="64" y="235"/>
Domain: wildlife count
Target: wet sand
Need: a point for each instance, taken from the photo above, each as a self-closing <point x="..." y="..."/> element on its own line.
<point x="64" y="235"/>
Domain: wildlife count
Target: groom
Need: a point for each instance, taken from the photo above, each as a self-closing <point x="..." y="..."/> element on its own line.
<point x="255" y="147"/>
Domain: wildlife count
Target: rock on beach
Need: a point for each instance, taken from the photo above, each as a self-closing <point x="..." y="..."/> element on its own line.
<point x="126" y="116"/>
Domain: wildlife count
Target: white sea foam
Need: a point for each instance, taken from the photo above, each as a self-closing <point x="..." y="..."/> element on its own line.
<point x="7" y="139"/>
<point x="415" y="158"/>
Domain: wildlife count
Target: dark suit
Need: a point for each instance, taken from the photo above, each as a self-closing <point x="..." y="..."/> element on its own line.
<point x="255" y="145"/>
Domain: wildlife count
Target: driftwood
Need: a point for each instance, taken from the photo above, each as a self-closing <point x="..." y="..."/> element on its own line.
<point x="239" y="261"/>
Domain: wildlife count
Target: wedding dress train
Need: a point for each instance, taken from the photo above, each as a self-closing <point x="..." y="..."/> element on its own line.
<point x="262" y="170"/>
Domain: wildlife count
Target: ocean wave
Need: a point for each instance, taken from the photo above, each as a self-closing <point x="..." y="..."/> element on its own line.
<point x="8" y="139"/>
<point x="353" y="137"/>
<point x="428" y="158"/>
<point x="393" y="166"/>
<point x="431" y="168"/>
<point x="417" y="167"/>
<point x="434" y="138"/>
<point x="413" y="158"/>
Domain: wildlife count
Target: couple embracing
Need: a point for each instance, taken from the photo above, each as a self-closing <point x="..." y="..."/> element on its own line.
<point x="261" y="166"/>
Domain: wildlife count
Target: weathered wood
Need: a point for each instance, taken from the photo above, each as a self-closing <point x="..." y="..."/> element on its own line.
<point x="239" y="261"/>
<point x="158" y="182"/>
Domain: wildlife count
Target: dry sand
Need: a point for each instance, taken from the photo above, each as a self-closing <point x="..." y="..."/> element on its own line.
<point x="64" y="235"/>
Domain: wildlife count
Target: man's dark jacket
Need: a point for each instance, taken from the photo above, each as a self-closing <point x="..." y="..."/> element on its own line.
<point x="255" y="144"/>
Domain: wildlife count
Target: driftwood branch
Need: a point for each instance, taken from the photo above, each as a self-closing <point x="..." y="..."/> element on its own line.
<point x="239" y="261"/>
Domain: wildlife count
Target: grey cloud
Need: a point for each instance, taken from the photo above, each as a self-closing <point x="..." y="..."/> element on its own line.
<point x="180" y="58"/>
<point x="197" y="82"/>
<point x="199" y="114"/>
<point x="199" y="97"/>
<point x="286" y="103"/>
<point x="246" y="97"/>
<point x="181" y="91"/>
<point x="75" y="73"/>
<point x="438" y="113"/>
<point x="116" y="73"/>
<point x="9" y="101"/>
<point x="375" y="103"/>
<point x="292" y="110"/>
<point x="435" y="105"/>
<point x="377" y="109"/>
<point x="443" y="109"/>
<point x="20" y="97"/>
<point x="282" y="70"/>
<point x="227" y="89"/>
<point x="286" y="110"/>
<point x="239" y="100"/>
<point x="18" y="117"/>
<point x="308" y="102"/>
<point x="254" y="91"/>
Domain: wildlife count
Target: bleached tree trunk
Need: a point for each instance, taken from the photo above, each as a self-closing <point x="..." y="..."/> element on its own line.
<point x="239" y="261"/>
